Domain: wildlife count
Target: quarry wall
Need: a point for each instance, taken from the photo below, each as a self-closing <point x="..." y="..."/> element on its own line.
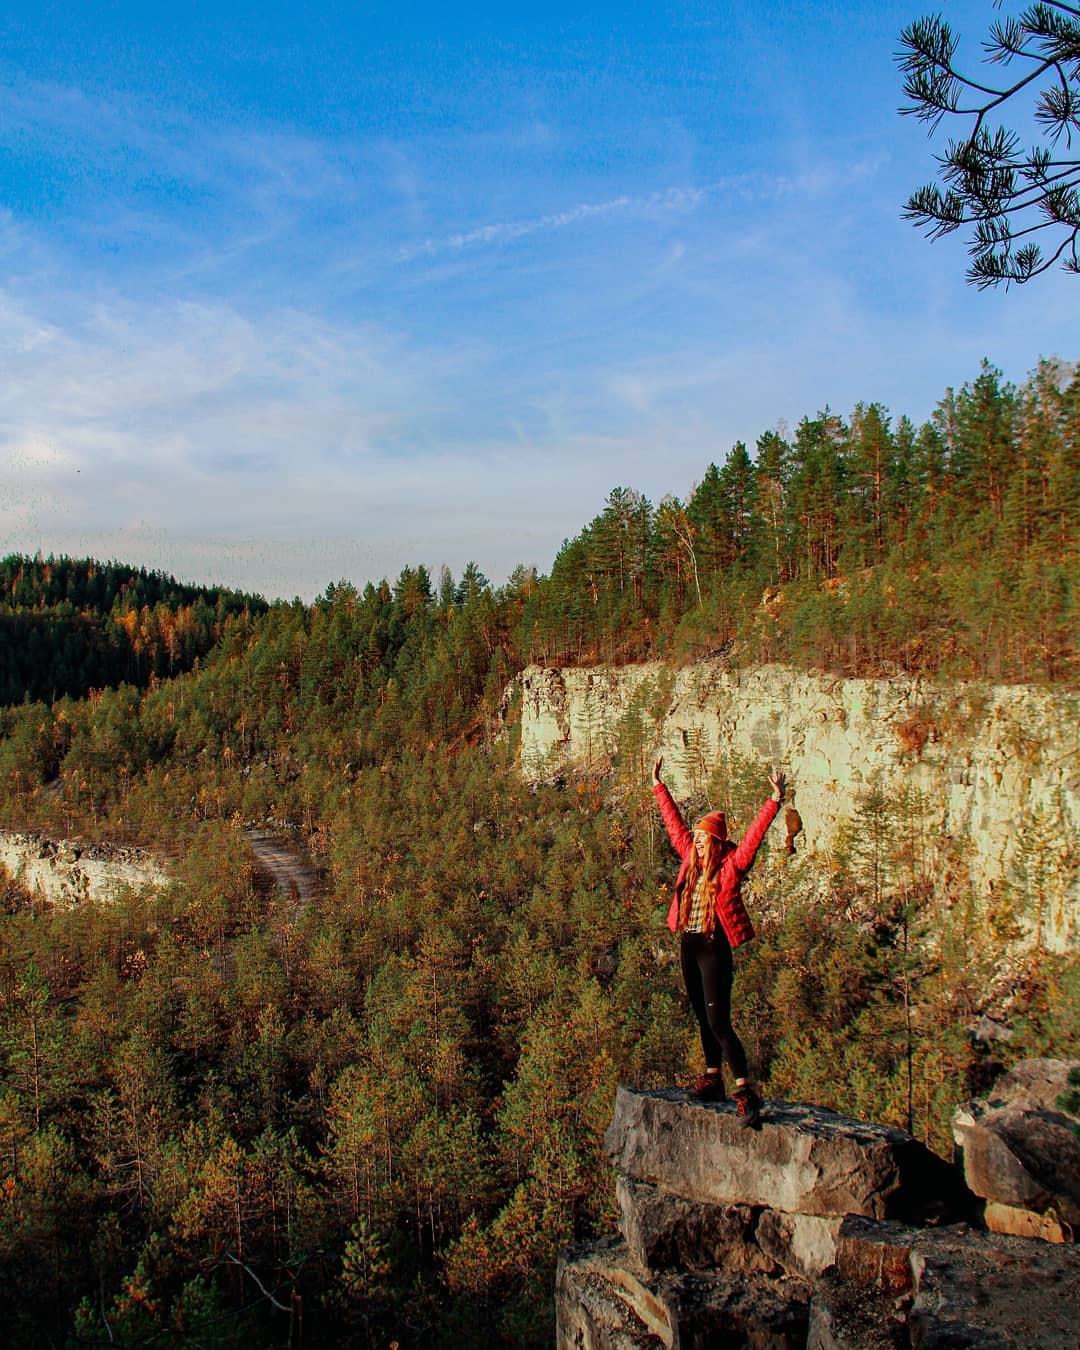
<point x="64" y="872"/>
<point x="991" y="772"/>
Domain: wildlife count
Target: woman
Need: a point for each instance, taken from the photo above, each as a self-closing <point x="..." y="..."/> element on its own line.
<point x="707" y="909"/>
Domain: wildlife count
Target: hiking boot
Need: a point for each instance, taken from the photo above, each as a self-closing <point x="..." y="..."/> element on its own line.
<point x="747" y="1106"/>
<point x="709" y="1088"/>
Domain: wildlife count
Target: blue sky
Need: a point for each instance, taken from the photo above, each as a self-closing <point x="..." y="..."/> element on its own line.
<point x="294" y="295"/>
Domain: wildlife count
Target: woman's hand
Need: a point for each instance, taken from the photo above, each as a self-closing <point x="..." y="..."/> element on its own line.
<point x="656" y="770"/>
<point x="779" y="782"/>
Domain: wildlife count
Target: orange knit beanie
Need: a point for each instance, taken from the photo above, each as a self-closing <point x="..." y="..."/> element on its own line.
<point x="715" y="823"/>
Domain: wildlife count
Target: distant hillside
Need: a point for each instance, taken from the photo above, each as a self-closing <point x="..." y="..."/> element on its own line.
<point x="70" y="625"/>
<point x="866" y="546"/>
<point x="858" y="547"/>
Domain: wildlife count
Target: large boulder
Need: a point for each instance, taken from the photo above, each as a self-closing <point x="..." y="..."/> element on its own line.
<point x="810" y="1231"/>
<point x="669" y="1232"/>
<point x="599" y="1305"/>
<point x="1020" y="1150"/>
<point x="1033" y="1084"/>
<point x="803" y="1159"/>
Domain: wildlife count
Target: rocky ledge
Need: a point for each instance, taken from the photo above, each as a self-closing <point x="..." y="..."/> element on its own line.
<point x="819" y="1231"/>
<point x="67" y="872"/>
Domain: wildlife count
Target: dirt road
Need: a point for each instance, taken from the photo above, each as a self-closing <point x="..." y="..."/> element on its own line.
<point x="290" y="869"/>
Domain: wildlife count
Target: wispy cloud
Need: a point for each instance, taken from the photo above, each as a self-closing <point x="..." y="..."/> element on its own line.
<point x="276" y="455"/>
<point x="736" y="187"/>
<point x="501" y="232"/>
<point x="178" y="410"/>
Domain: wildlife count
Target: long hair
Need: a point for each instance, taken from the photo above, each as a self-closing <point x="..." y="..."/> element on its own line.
<point x="716" y="851"/>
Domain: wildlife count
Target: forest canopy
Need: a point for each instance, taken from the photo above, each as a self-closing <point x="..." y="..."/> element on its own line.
<point x="68" y="625"/>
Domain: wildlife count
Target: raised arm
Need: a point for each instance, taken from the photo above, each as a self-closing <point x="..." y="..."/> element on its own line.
<point x="751" y="840"/>
<point x="681" y="838"/>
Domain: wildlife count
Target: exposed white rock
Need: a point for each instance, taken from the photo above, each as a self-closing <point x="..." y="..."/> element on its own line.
<point x="804" y="1244"/>
<point x="64" y="872"/>
<point x="991" y="771"/>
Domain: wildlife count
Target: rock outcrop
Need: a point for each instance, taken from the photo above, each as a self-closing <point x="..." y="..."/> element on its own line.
<point x="65" y="872"/>
<point x="812" y="1230"/>
<point x="993" y="770"/>
<point x="959" y="1286"/>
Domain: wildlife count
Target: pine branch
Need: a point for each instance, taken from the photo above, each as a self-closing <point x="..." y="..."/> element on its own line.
<point x="986" y="177"/>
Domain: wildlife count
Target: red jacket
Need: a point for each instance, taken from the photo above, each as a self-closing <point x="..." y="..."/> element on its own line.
<point x="729" y="906"/>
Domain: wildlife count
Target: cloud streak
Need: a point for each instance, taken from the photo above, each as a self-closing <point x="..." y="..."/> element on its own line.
<point x="501" y="232"/>
<point x="273" y="456"/>
<point x="742" y="187"/>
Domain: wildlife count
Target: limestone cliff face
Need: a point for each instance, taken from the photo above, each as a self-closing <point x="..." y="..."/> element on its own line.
<point x="64" y="873"/>
<point x="992" y="771"/>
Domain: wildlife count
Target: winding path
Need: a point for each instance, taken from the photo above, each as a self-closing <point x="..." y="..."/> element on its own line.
<point x="290" y="870"/>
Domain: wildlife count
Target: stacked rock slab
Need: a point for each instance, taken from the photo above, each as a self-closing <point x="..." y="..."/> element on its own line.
<point x="813" y="1230"/>
<point x="724" y="1230"/>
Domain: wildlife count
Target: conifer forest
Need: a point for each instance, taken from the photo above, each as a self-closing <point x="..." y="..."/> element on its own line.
<point x="236" y="1114"/>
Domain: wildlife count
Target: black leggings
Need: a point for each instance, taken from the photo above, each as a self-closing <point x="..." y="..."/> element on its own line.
<point x="707" y="970"/>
